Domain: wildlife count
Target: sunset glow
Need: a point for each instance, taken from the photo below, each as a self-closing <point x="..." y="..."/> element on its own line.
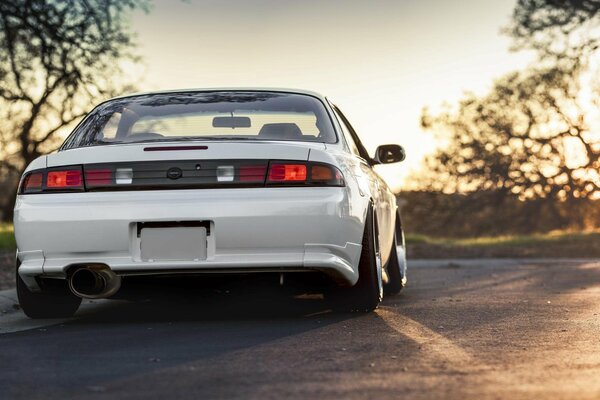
<point x="380" y="61"/>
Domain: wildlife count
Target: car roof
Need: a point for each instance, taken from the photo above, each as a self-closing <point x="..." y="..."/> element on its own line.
<point x="226" y="89"/>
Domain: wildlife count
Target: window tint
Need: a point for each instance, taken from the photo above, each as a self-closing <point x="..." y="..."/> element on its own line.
<point x="206" y="116"/>
<point x="201" y="124"/>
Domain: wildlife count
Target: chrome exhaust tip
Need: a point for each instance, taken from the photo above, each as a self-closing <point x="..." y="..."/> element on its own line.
<point x="94" y="282"/>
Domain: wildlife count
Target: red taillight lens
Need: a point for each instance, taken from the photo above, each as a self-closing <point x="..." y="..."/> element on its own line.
<point x="64" y="179"/>
<point x="287" y="173"/>
<point x="32" y="183"/>
<point x="253" y="173"/>
<point x="98" y="177"/>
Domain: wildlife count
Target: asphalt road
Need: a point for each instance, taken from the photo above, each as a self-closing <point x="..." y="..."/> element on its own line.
<point x="479" y="329"/>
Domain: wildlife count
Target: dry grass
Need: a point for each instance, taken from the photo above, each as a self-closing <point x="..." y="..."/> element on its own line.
<point x="538" y="239"/>
<point x="553" y="244"/>
<point x="7" y="237"/>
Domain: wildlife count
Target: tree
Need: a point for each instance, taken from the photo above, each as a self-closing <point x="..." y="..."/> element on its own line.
<point x="57" y="58"/>
<point x="559" y="30"/>
<point x="528" y="137"/>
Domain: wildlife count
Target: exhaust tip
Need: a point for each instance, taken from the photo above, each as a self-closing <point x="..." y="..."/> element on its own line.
<point x="87" y="282"/>
<point x="94" y="282"/>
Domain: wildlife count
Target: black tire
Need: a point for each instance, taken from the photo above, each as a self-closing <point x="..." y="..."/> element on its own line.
<point x="54" y="301"/>
<point x="367" y="293"/>
<point x="396" y="266"/>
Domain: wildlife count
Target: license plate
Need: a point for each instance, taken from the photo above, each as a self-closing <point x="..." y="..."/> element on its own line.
<point x="173" y="244"/>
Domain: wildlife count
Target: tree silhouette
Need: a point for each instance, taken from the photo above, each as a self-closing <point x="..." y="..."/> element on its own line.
<point x="530" y="136"/>
<point x="57" y="58"/>
<point x="560" y="30"/>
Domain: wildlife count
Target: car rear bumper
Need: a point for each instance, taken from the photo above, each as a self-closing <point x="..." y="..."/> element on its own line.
<point x="249" y="230"/>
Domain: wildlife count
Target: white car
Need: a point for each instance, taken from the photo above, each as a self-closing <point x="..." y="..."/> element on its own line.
<point x="207" y="181"/>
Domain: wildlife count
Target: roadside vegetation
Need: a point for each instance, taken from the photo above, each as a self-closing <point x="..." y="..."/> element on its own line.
<point x="523" y="156"/>
<point x="484" y="213"/>
<point x="541" y="239"/>
<point x="557" y="244"/>
<point x="7" y="237"/>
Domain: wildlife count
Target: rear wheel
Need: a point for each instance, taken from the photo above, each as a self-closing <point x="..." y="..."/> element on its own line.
<point x="396" y="266"/>
<point x="367" y="293"/>
<point x="54" y="301"/>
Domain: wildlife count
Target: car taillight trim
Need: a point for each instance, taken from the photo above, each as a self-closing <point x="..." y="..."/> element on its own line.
<point x="337" y="181"/>
<point x="24" y="186"/>
<point x="252" y="173"/>
<point x="64" y="179"/>
<point x="289" y="172"/>
<point x="79" y="187"/>
<point x="70" y="185"/>
<point x="98" y="177"/>
<point x="247" y="174"/>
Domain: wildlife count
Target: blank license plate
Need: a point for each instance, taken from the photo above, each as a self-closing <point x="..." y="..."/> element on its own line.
<point x="177" y="243"/>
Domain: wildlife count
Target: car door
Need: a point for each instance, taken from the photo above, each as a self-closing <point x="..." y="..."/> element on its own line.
<point x="384" y="200"/>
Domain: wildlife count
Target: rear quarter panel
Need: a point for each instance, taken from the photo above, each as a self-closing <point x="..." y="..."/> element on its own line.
<point x="363" y="184"/>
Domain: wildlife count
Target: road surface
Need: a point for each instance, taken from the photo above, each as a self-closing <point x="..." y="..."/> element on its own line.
<point x="481" y="329"/>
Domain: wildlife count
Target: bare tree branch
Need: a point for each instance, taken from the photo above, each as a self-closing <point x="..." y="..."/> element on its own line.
<point x="512" y="140"/>
<point x="59" y="59"/>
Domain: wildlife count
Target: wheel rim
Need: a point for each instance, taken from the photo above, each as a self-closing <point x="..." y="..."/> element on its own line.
<point x="378" y="263"/>
<point x="402" y="254"/>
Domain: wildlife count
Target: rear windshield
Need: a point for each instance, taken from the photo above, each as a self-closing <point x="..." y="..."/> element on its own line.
<point x="191" y="116"/>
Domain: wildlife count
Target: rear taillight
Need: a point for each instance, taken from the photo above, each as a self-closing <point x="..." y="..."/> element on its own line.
<point x="252" y="173"/>
<point x="64" y="179"/>
<point x="301" y="174"/>
<point x="326" y="175"/>
<point x="98" y="177"/>
<point x="191" y="174"/>
<point x="323" y="173"/>
<point x="67" y="179"/>
<point x="32" y="183"/>
<point x="287" y="173"/>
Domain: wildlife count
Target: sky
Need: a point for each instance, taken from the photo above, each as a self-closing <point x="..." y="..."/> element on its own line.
<point x="380" y="61"/>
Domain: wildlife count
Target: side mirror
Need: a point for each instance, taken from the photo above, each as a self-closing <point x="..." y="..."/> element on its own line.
<point x="389" y="154"/>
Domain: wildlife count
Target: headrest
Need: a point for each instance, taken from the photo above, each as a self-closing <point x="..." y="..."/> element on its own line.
<point x="280" y="131"/>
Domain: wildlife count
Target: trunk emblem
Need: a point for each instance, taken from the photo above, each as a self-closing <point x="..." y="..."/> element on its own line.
<point x="174" y="173"/>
